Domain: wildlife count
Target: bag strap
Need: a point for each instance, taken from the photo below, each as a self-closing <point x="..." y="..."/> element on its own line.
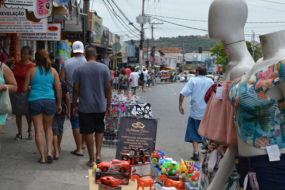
<point x="1" y="63"/>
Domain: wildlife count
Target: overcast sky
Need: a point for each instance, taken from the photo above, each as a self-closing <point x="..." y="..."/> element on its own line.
<point x="259" y="11"/>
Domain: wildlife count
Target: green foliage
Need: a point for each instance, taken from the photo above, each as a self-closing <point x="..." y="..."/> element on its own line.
<point x="190" y="43"/>
<point x="220" y="54"/>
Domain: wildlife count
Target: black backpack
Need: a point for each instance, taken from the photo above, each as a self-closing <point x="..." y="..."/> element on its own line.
<point x="141" y="76"/>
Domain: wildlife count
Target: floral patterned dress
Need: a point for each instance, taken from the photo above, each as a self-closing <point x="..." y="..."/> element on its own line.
<point x="259" y="119"/>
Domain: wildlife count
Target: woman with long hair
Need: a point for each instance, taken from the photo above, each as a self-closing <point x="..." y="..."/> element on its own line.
<point x="123" y="81"/>
<point x="19" y="100"/>
<point x="42" y="103"/>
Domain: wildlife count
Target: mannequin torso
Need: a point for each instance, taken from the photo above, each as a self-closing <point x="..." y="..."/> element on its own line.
<point x="273" y="48"/>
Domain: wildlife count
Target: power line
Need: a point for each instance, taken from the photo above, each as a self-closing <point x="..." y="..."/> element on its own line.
<point x="113" y="16"/>
<point x="118" y="16"/>
<point x="275" y="2"/>
<point x="198" y="20"/>
<point x="194" y="28"/>
<point x="121" y="21"/>
<point x="131" y="23"/>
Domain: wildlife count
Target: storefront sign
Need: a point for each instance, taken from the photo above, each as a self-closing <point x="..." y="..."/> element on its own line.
<point x="15" y="21"/>
<point x="41" y="9"/>
<point x="105" y="37"/>
<point x="96" y="28"/>
<point x="136" y="133"/>
<point x="53" y="34"/>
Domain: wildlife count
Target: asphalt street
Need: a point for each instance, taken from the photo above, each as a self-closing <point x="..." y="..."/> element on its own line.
<point x="19" y="168"/>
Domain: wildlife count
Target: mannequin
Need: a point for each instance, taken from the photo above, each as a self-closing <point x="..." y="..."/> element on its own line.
<point x="273" y="49"/>
<point x="226" y="23"/>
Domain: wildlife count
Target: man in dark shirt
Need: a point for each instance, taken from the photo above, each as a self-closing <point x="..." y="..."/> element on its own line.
<point x="92" y="84"/>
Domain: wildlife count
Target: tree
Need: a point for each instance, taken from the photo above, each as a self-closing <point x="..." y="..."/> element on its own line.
<point x="218" y="51"/>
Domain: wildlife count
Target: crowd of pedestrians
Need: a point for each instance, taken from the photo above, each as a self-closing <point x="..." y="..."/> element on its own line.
<point x="47" y="93"/>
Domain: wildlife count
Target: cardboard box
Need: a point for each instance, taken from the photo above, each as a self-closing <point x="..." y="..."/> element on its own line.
<point x="124" y="177"/>
<point x="106" y="187"/>
<point x="141" y="169"/>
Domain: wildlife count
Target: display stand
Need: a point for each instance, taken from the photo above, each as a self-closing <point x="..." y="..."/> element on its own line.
<point x="93" y="186"/>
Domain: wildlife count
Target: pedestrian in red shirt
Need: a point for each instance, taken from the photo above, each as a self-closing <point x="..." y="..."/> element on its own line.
<point x="19" y="100"/>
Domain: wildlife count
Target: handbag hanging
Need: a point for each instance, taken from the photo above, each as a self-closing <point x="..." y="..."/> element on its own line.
<point x="5" y="103"/>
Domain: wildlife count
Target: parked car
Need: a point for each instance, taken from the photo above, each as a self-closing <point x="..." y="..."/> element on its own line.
<point x="114" y="165"/>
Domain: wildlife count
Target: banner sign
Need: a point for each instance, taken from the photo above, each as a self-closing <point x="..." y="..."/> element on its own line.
<point x="41" y="9"/>
<point x="96" y="28"/>
<point x="53" y="34"/>
<point x="105" y="37"/>
<point x="136" y="133"/>
<point x="15" y="21"/>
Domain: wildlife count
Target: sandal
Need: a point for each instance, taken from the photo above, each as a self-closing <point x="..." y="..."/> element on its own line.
<point x="76" y="153"/>
<point x="41" y="162"/>
<point x="90" y="165"/>
<point x="18" y="137"/>
<point x="49" y="159"/>
<point x="30" y="136"/>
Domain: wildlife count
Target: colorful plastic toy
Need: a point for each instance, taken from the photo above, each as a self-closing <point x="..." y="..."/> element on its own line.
<point x="114" y="165"/>
<point x="110" y="181"/>
<point x="142" y="182"/>
<point x="169" y="168"/>
<point x="156" y="156"/>
<point x="171" y="183"/>
<point x="135" y="156"/>
<point x="161" y="187"/>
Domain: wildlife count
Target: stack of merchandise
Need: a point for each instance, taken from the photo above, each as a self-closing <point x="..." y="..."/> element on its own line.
<point x="170" y="172"/>
<point x="154" y="171"/>
<point x="124" y="106"/>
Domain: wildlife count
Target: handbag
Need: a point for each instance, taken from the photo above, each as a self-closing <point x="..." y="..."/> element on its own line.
<point x="5" y="103"/>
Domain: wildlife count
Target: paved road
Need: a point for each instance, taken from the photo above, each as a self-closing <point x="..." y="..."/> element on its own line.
<point x="18" y="159"/>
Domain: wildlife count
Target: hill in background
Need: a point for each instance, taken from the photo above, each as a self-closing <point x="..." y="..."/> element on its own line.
<point x="190" y="43"/>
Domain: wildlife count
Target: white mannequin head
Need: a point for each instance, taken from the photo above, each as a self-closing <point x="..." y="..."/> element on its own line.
<point x="227" y="19"/>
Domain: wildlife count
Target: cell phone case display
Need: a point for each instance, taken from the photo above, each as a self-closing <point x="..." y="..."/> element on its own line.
<point x="124" y="106"/>
<point x="112" y="121"/>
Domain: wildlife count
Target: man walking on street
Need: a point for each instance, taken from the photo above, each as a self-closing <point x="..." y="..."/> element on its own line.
<point x="196" y="88"/>
<point x="134" y="79"/>
<point x="92" y="84"/>
<point x="66" y="74"/>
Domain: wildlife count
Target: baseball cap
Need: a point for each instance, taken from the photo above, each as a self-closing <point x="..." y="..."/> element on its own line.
<point x="77" y="47"/>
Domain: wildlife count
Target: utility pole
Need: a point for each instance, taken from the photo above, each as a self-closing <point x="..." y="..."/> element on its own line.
<point x="152" y="43"/>
<point x="253" y="43"/>
<point x="142" y="36"/>
<point x="86" y="6"/>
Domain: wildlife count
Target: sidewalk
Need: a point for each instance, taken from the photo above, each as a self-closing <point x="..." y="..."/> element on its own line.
<point x="19" y="168"/>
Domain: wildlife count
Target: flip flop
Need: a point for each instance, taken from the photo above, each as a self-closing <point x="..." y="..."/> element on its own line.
<point x="56" y="158"/>
<point x="75" y="153"/>
<point x="90" y="165"/>
<point x="49" y="159"/>
<point x="98" y="161"/>
<point x="39" y="161"/>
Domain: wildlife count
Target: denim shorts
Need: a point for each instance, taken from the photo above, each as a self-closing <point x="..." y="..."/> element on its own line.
<point x="57" y="124"/>
<point x="42" y="106"/>
<point x="192" y="134"/>
<point x="269" y="175"/>
<point x="74" y="120"/>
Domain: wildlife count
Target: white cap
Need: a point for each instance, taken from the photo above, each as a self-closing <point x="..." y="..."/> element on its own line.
<point x="77" y="47"/>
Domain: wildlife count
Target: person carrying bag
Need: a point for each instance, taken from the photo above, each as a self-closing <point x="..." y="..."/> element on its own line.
<point x="7" y="85"/>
